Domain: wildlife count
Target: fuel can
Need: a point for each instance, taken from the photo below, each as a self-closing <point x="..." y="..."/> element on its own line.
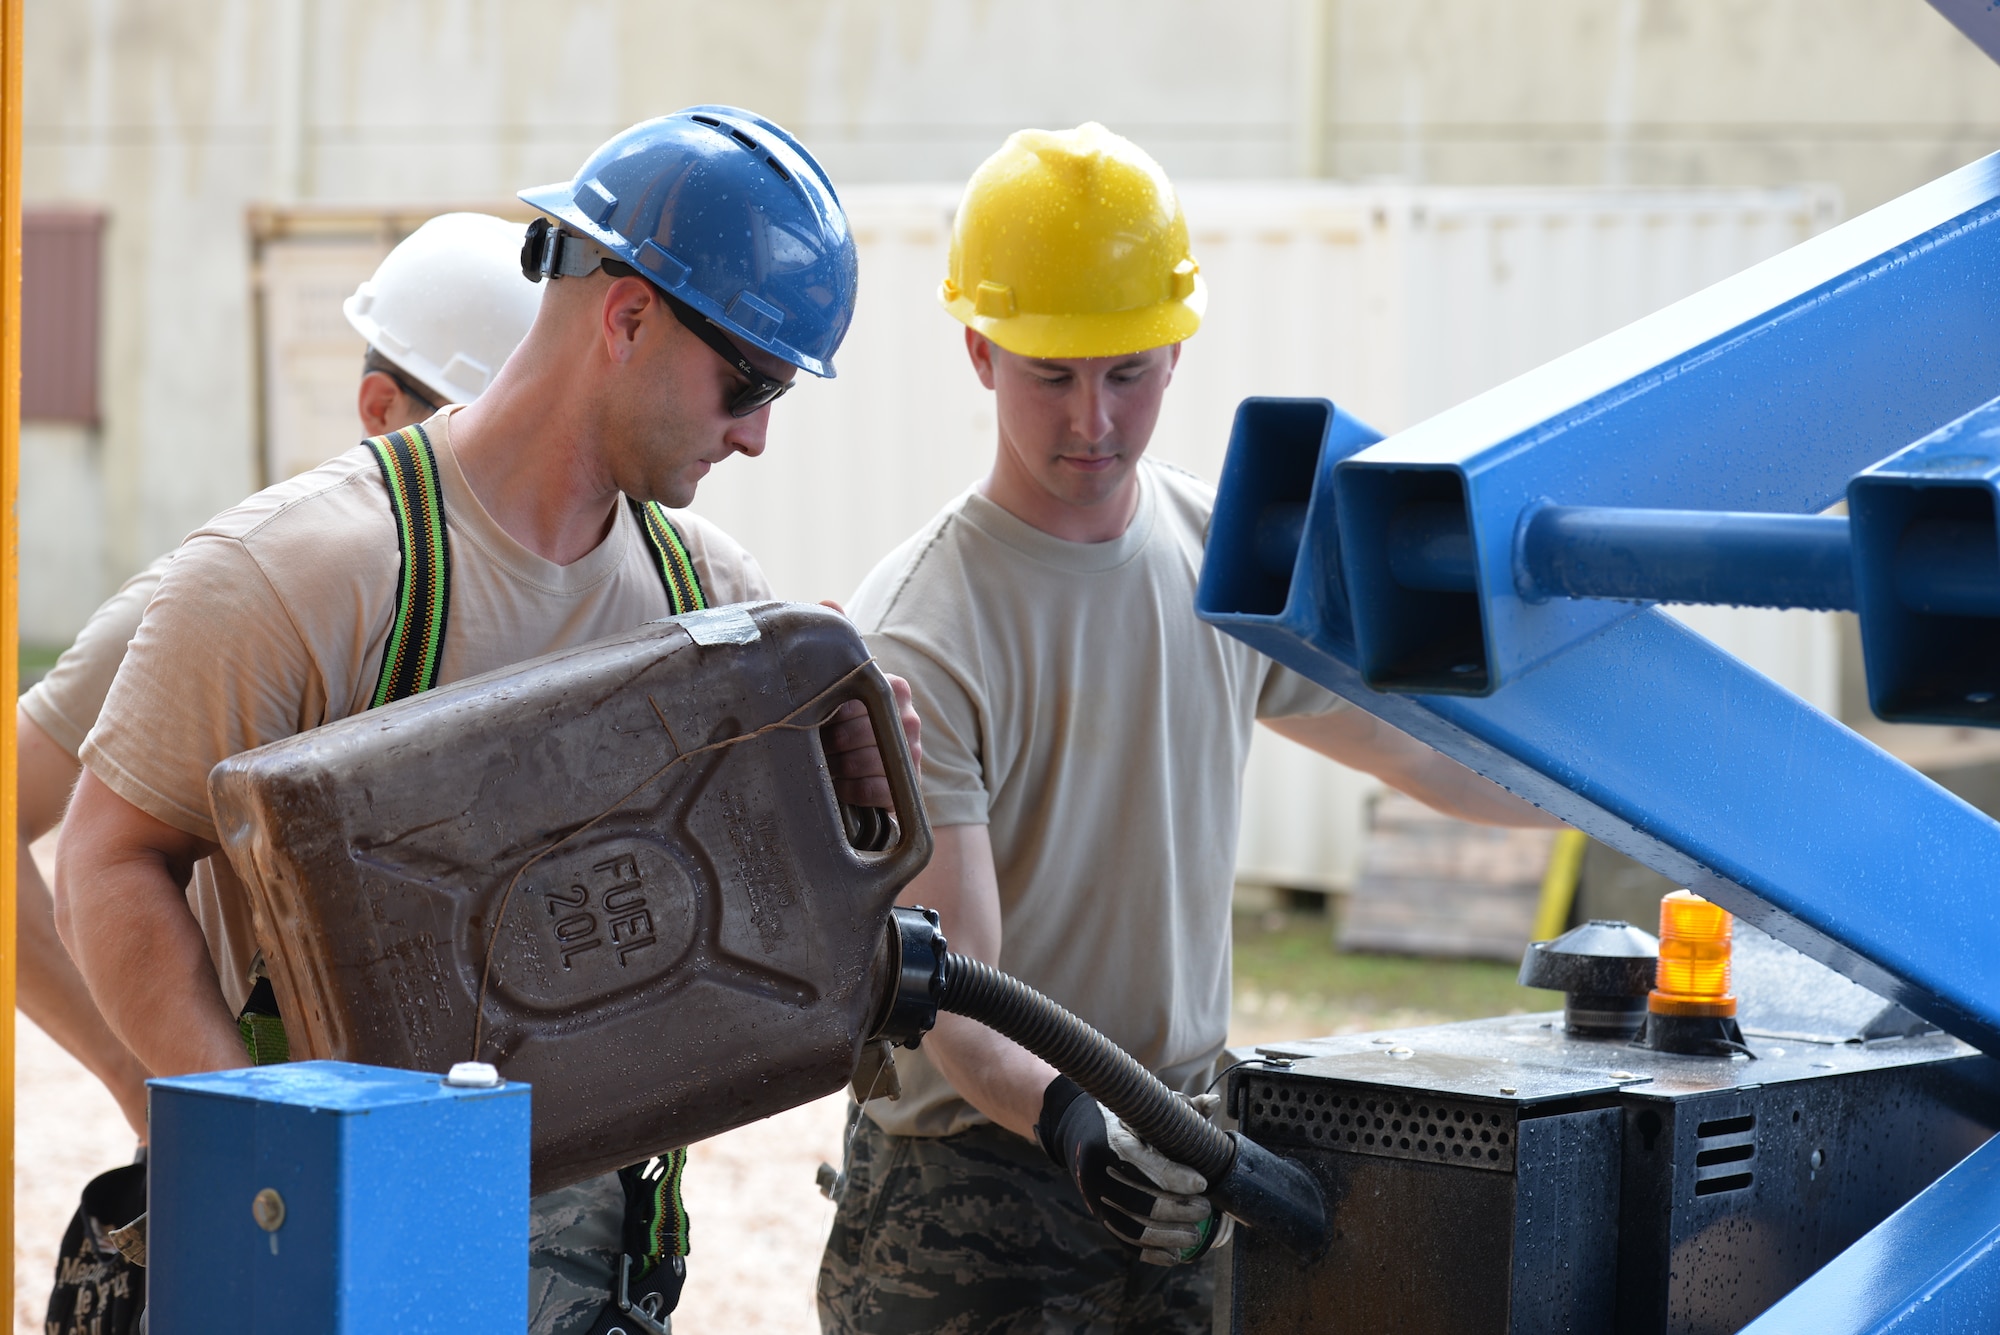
<point x="619" y="873"/>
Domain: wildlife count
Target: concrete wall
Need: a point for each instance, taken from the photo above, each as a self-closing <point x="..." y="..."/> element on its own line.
<point x="176" y="115"/>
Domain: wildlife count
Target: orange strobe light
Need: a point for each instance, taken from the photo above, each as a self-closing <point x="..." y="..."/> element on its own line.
<point x="1693" y="975"/>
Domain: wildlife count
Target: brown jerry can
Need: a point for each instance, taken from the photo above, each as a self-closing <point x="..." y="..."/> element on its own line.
<point x="685" y="947"/>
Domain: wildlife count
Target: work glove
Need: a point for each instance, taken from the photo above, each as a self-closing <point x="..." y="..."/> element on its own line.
<point x="1147" y="1200"/>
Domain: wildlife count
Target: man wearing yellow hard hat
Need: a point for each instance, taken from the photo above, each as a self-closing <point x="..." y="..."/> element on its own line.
<point x="1084" y="744"/>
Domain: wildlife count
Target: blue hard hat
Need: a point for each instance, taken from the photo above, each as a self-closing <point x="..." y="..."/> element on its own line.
<point x="731" y="215"/>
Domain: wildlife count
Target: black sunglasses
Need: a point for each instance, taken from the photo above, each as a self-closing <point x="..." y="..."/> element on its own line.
<point x="760" y="390"/>
<point x="376" y="362"/>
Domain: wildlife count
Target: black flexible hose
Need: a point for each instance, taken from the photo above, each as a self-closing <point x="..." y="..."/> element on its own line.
<point x="1162" y="1118"/>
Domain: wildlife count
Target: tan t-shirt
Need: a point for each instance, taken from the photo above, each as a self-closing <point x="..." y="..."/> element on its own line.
<point x="65" y="704"/>
<point x="273" y="619"/>
<point x="1072" y="702"/>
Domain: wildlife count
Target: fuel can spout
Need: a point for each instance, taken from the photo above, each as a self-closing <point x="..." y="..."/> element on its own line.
<point x="1246" y="1181"/>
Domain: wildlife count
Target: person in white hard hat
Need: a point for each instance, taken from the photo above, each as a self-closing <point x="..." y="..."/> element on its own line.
<point x="441" y="315"/>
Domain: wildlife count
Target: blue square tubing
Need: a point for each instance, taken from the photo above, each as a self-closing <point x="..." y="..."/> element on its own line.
<point x="325" y="1198"/>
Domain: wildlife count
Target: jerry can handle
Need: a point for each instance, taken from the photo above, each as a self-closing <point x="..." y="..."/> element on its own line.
<point x="912" y="849"/>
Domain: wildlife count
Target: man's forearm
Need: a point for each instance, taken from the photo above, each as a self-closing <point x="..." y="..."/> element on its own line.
<point x="995" y="1075"/>
<point x="149" y="972"/>
<point x="1452" y="788"/>
<point x="1361" y="741"/>
<point x="122" y="911"/>
<point x="49" y="990"/>
<point x="52" y="994"/>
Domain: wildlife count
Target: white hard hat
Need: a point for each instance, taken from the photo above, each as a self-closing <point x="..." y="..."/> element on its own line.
<point x="449" y="303"/>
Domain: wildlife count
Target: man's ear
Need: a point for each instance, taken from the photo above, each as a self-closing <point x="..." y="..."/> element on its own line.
<point x="980" y="349"/>
<point x="378" y="401"/>
<point x="628" y="302"/>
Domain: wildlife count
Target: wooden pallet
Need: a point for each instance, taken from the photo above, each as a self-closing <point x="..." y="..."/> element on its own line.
<point x="1431" y="885"/>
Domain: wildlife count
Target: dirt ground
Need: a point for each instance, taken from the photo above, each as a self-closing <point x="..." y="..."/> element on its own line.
<point x="759" y="1220"/>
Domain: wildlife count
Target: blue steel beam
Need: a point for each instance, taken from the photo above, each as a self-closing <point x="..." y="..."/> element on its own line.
<point x="1764" y="393"/>
<point x="1931" y="1268"/>
<point x="1649" y="738"/>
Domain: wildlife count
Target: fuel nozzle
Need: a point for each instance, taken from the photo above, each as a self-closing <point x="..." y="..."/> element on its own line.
<point x="1260" y="1189"/>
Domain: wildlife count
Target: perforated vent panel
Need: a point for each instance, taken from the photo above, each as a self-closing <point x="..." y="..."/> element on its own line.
<point x="1365" y="1119"/>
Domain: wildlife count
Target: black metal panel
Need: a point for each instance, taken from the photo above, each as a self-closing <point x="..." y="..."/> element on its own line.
<point x="1434" y="1230"/>
<point x="1733" y="1198"/>
<point x="1566" y="1224"/>
<point x="1638" y="1192"/>
<point x="1418" y="1249"/>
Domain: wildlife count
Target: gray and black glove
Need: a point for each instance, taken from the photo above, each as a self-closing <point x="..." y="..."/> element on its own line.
<point x="1146" y="1199"/>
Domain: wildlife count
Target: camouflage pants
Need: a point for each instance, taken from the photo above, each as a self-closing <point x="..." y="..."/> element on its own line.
<point x="979" y="1234"/>
<point x="574" y="1236"/>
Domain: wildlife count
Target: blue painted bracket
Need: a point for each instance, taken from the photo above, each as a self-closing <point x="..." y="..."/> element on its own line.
<point x="1764" y="393"/>
<point x="324" y="1198"/>
<point x="1932" y="645"/>
<point x="1919" y="560"/>
<point x="1647" y="737"/>
<point x="1931" y="1268"/>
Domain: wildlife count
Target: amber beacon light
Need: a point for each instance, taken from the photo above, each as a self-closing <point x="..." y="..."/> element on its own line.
<point x="1693" y="973"/>
<point x="1691" y="1008"/>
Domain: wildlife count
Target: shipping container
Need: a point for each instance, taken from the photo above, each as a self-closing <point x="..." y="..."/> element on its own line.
<point x="1395" y="301"/>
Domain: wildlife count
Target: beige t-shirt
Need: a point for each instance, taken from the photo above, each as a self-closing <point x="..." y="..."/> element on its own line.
<point x="65" y="704"/>
<point x="1072" y="702"/>
<point x="273" y="619"/>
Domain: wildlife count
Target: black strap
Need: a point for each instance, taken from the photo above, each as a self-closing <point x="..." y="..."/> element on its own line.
<point x="409" y="661"/>
<point x="423" y="587"/>
<point x="670" y="553"/>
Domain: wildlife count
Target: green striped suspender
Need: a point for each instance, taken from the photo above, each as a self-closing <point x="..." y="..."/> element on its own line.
<point x="656" y="1222"/>
<point x="409" y="664"/>
<point x="423" y="586"/>
<point x="684" y="591"/>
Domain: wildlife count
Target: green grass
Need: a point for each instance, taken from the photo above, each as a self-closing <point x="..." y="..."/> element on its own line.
<point x="1292" y="982"/>
<point x="36" y="660"/>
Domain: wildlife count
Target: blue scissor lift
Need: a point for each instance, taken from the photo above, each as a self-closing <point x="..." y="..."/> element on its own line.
<point x="1484" y="581"/>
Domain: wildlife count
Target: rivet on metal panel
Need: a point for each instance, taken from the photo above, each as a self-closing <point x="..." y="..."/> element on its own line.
<point x="268" y="1209"/>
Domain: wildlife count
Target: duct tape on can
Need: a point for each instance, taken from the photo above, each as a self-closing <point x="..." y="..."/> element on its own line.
<point x="719" y="625"/>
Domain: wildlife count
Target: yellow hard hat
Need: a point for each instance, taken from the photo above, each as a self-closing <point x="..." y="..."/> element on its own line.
<point x="1071" y="243"/>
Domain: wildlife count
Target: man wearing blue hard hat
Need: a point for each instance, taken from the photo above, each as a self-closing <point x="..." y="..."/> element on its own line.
<point x="693" y="266"/>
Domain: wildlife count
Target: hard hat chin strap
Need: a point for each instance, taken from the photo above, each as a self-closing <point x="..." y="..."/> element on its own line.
<point x="549" y="252"/>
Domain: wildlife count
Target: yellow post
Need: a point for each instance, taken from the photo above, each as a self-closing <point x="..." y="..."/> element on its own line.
<point x="1559" y="884"/>
<point x="10" y="576"/>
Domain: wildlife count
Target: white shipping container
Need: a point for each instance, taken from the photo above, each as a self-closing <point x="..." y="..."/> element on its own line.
<point x="1394" y="301"/>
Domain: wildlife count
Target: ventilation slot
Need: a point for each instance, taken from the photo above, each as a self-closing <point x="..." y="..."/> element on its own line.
<point x="744" y="139"/>
<point x="1724" y="1150"/>
<point x="1369" y="1120"/>
<point x="707" y="120"/>
<point x="772" y="163"/>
